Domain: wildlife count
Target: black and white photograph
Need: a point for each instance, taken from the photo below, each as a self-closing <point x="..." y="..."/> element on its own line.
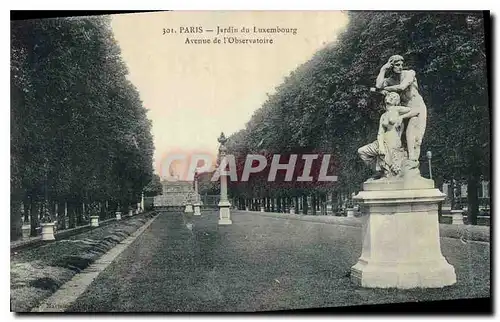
<point x="250" y="161"/>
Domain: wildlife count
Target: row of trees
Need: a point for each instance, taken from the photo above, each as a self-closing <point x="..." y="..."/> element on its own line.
<point x="79" y="132"/>
<point x="325" y="104"/>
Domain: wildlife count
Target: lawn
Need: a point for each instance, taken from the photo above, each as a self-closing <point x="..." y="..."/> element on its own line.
<point x="259" y="263"/>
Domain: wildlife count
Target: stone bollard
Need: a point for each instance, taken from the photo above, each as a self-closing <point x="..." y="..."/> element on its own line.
<point x="292" y="211"/>
<point x="350" y="212"/>
<point x="457" y="217"/>
<point x="197" y="209"/>
<point x="26" y="229"/>
<point x="48" y="231"/>
<point x="189" y="208"/>
<point x="130" y="213"/>
<point x="118" y="215"/>
<point x="94" y="221"/>
<point x="247" y="209"/>
<point x="262" y="209"/>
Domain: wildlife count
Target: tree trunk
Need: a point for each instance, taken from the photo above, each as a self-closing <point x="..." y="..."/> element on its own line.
<point x="472" y="199"/>
<point x="27" y="208"/>
<point x="16" y="220"/>
<point x="72" y="208"/>
<point x="304" y="204"/>
<point x="452" y="198"/>
<point x="35" y="215"/>
<point x="79" y="213"/>
<point x="439" y="182"/>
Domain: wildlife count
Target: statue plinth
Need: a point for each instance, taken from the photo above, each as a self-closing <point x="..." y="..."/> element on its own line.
<point x="224" y="213"/>
<point x="189" y="208"/>
<point x="197" y="210"/>
<point x="401" y="245"/>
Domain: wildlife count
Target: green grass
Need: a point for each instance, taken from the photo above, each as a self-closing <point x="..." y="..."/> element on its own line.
<point x="258" y="264"/>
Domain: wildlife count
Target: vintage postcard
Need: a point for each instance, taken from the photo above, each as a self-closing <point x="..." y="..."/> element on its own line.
<point x="251" y="161"/>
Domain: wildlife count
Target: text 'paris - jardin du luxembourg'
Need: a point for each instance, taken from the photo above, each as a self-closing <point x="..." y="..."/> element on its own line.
<point x="229" y="35"/>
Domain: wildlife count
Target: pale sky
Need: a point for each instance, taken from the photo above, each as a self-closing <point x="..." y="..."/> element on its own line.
<point x="195" y="91"/>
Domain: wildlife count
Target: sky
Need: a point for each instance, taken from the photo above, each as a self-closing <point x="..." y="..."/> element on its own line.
<point x="196" y="91"/>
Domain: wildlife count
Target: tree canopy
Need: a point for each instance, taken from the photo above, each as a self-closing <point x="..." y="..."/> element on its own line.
<point x="79" y="130"/>
<point x="326" y="105"/>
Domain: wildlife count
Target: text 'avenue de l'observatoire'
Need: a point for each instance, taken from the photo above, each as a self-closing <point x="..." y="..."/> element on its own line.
<point x="230" y="35"/>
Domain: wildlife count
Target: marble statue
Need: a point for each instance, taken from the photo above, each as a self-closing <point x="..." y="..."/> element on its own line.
<point x="405" y="83"/>
<point x="392" y="79"/>
<point x="399" y="209"/>
<point x="387" y="151"/>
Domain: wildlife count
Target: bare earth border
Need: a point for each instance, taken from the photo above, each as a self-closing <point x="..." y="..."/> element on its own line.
<point x="70" y="291"/>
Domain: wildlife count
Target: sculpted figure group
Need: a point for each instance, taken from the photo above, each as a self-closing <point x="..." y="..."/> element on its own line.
<point x="402" y="102"/>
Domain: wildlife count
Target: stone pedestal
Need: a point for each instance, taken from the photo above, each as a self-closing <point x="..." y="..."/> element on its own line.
<point x="292" y="211"/>
<point x="94" y="221"/>
<point x="247" y="209"/>
<point x="26" y="230"/>
<point x="350" y="212"/>
<point x="401" y="245"/>
<point x="130" y="213"/>
<point x="457" y="217"/>
<point x="225" y="213"/>
<point x="197" y="209"/>
<point x="262" y="209"/>
<point x="189" y="208"/>
<point x="48" y="231"/>
<point x="118" y="215"/>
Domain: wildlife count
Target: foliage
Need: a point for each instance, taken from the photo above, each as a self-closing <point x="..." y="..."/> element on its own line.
<point x="325" y="104"/>
<point x="79" y="128"/>
<point x="154" y="187"/>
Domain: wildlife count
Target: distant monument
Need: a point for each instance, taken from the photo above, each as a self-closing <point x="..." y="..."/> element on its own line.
<point x="197" y="201"/>
<point x="175" y="193"/>
<point x="401" y="245"/>
<point x="224" y="204"/>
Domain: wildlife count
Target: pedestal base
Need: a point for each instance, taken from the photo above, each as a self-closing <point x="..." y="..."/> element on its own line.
<point x="26" y="230"/>
<point x="457" y="217"/>
<point x="224" y="213"/>
<point x="262" y="209"/>
<point x="48" y="231"/>
<point x="118" y="215"/>
<point x="350" y="212"/>
<point x="197" y="210"/>
<point x="188" y="209"/>
<point x="423" y="274"/>
<point x="401" y="245"/>
<point x="94" y="221"/>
